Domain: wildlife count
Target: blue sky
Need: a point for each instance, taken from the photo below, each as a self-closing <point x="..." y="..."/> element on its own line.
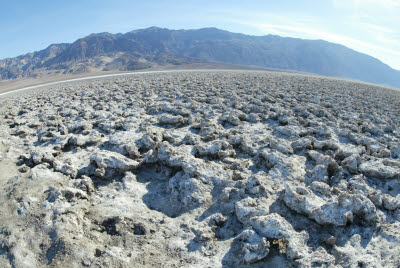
<point x="368" y="26"/>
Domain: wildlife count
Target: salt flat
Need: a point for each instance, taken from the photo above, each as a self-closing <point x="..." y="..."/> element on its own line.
<point x="201" y="169"/>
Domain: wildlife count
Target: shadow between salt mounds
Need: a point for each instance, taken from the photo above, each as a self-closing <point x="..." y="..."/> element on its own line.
<point x="156" y="177"/>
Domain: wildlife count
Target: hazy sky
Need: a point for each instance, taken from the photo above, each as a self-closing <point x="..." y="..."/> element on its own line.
<point x="368" y="26"/>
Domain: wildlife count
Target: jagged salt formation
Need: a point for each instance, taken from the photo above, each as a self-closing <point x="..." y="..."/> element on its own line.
<point x="201" y="169"/>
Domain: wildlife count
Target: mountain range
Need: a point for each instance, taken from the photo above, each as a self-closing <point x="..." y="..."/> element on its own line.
<point x="146" y="48"/>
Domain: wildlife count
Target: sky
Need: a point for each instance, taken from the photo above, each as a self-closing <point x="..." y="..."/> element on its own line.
<point x="368" y="26"/>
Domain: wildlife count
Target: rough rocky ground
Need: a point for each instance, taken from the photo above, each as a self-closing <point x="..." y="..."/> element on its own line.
<point x="201" y="169"/>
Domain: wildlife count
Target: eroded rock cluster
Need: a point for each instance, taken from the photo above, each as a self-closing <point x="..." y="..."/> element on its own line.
<point x="201" y="169"/>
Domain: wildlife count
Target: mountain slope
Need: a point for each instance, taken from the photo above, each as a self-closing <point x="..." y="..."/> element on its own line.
<point x="145" y="48"/>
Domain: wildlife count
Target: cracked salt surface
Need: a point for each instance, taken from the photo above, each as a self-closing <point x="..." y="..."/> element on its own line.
<point x="201" y="169"/>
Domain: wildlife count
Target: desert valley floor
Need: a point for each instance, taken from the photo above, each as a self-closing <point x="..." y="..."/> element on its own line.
<point x="201" y="169"/>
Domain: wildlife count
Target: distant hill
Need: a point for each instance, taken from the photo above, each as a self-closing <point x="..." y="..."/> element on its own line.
<point x="145" y="48"/>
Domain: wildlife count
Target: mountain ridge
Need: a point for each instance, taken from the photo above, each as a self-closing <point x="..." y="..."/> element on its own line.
<point x="154" y="46"/>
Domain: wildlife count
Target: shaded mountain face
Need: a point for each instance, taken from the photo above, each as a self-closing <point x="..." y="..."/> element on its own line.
<point x="154" y="46"/>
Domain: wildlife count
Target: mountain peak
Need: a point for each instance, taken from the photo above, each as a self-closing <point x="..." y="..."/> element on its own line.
<point x="156" y="46"/>
<point x="150" y="29"/>
<point x="103" y="34"/>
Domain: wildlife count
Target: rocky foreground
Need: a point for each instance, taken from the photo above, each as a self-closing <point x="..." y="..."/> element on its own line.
<point x="201" y="169"/>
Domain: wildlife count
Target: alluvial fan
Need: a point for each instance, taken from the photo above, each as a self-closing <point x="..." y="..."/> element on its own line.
<point x="201" y="169"/>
